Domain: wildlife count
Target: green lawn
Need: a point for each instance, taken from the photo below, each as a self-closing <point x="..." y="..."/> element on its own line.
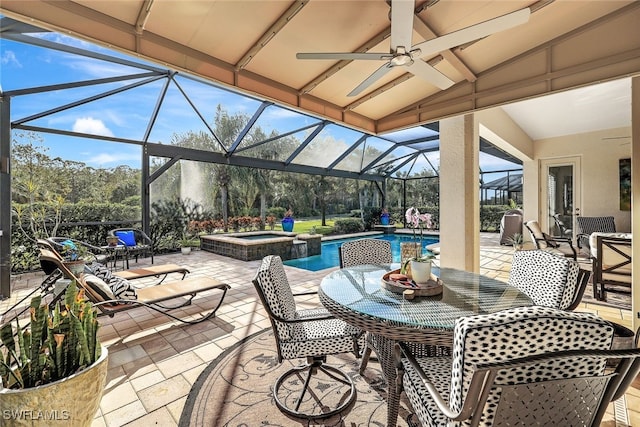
<point x="306" y="225"/>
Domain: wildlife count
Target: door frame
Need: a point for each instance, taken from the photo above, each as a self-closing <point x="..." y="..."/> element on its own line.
<point x="545" y="164"/>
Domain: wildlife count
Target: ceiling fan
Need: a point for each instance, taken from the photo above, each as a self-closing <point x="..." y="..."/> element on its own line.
<point x="402" y="54"/>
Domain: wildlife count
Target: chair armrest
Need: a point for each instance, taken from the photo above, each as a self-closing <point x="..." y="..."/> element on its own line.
<point x="146" y="238"/>
<point x="477" y="394"/>
<point x="306" y="293"/>
<point x="553" y="241"/>
<point x="92" y="248"/>
<point x="306" y="319"/>
<point x="581" y="236"/>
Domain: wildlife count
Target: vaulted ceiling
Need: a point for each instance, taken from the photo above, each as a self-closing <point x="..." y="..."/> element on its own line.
<point x="252" y="46"/>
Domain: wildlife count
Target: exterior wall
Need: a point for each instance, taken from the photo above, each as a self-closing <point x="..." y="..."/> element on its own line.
<point x="599" y="169"/>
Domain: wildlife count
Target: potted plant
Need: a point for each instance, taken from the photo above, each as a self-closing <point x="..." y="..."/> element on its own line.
<point x="418" y="266"/>
<point x="271" y="221"/>
<point x="516" y="240"/>
<point x="186" y="243"/>
<point x="54" y="371"/>
<point x="75" y="256"/>
<point x="287" y="221"/>
<point x="112" y="241"/>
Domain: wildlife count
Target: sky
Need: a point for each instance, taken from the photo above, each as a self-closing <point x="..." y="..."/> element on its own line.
<point x="125" y="115"/>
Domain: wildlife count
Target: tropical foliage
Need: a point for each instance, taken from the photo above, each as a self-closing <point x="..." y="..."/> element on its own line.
<point x="57" y="343"/>
<point x="52" y="196"/>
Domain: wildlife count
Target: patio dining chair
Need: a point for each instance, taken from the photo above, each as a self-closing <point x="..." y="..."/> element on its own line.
<point x="555" y="244"/>
<point x="562" y="228"/>
<point x="549" y="280"/>
<point x="99" y="255"/>
<point x="137" y="242"/>
<point x="365" y="251"/>
<point x="593" y="224"/>
<point x="309" y="334"/>
<point x="360" y="252"/>
<point x="524" y="366"/>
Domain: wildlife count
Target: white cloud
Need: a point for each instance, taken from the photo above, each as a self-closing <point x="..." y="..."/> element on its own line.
<point x="92" y="126"/>
<point x="9" y="58"/>
<point x="105" y="159"/>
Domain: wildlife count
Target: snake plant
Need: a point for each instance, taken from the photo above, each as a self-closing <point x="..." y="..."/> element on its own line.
<point x="56" y="344"/>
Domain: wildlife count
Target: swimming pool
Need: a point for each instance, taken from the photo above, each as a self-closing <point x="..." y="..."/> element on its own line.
<point x="330" y="258"/>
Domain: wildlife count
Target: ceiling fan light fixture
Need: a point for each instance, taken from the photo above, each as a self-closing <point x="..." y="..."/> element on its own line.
<point x="402" y="60"/>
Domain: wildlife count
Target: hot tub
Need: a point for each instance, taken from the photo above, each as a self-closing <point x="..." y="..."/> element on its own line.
<point x="255" y="245"/>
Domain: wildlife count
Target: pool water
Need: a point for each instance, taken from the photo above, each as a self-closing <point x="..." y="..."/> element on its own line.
<point x="330" y="258"/>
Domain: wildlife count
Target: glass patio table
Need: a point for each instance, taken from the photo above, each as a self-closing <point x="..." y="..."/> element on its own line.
<point x="355" y="295"/>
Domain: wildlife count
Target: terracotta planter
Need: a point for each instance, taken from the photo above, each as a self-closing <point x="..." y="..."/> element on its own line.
<point x="76" y="267"/>
<point x="112" y="241"/>
<point x="71" y="401"/>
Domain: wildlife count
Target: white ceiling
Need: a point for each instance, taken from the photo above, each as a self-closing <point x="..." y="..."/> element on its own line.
<point x="252" y="46"/>
<point x="593" y="108"/>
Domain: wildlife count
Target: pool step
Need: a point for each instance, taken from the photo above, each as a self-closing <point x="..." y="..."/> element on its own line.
<point x="299" y="249"/>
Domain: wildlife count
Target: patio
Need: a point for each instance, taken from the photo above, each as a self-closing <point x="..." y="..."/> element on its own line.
<point x="154" y="362"/>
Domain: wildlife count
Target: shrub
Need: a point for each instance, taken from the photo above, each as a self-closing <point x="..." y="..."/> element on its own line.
<point x="348" y="225"/>
<point x="278" y="212"/>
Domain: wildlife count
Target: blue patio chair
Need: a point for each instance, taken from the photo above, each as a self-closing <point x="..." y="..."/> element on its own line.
<point x="137" y="242"/>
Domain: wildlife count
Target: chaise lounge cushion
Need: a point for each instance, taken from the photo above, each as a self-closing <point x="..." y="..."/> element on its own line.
<point x="120" y="288"/>
<point x="99" y="287"/>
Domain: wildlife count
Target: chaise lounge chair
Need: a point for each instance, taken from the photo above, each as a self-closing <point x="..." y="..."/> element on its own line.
<point x="159" y="271"/>
<point x="151" y="297"/>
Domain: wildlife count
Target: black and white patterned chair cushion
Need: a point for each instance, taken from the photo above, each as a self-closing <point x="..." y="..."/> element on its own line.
<point x="503" y="336"/>
<point x="365" y="251"/>
<point x="301" y="339"/>
<point x="547" y="279"/>
<point x="120" y="287"/>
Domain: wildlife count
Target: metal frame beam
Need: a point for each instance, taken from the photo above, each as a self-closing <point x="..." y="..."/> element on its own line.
<point x="5" y="197"/>
<point x="171" y="151"/>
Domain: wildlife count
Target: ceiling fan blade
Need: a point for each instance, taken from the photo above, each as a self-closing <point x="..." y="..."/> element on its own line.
<point x="370" y="80"/>
<point x="474" y="32"/>
<point x="401" y="23"/>
<point x="345" y="56"/>
<point x="421" y="69"/>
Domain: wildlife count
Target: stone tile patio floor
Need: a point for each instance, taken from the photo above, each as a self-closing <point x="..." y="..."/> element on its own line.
<point x="153" y="361"/>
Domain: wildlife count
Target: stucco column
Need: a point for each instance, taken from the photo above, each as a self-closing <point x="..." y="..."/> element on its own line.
<point x="460" y="193"/>
<point x="635" y="200"/>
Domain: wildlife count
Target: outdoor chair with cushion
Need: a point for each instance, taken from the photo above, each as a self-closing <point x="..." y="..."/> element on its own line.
<point x="137" y="242"/>
<point x="103" y="294"/>
<point x="555" y="244"/>
<point x="549" y="280"/>
<point x="309" y="334"/>
<point x="365" y="251"/>
<point x="99" y="255"/>
<point x="611" y="263"/>
<point x="593" y="224"/>
<point x="524" y="366"/>
<point x="160" y="271"/>
<point x="562" y="228"/>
